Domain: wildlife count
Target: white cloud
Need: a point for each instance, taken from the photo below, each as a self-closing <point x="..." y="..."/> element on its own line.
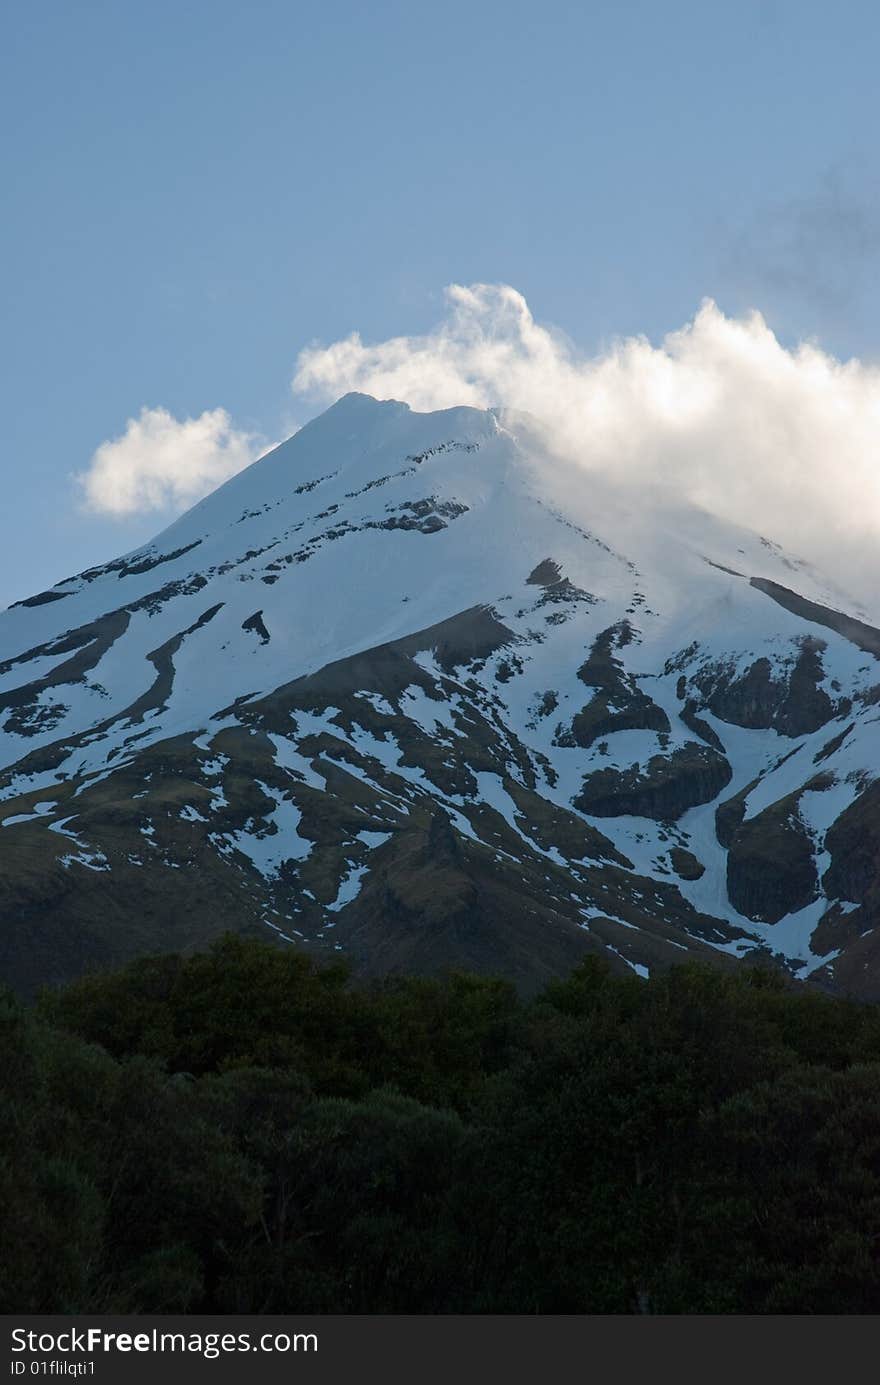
<point x="784" y="441"/>
<point x="162" y="463"/>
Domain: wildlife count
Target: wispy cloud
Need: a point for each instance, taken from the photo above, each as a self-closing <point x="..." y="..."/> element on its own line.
<point x="809" y="254"/>
<point x="164" y="463"/>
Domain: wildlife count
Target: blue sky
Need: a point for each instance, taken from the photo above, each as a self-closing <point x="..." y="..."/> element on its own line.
<point x="197" y="191"/>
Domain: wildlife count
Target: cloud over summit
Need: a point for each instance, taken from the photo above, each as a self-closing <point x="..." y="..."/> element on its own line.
<point x="720" y="413"/>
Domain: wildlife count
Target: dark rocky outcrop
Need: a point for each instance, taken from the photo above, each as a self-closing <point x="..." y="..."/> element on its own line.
<point x="136" y="564"/>
<point x="864" y="636"/>
<point x="730" y="813"/>
<point x="41" y="599"/>
<point x="833" y="745"/>
<point x="806" y="706"/>
<point x="619" y="703"/>
<point x="162" y="659"/>
<point x="699" y="726"/>
<point x="771" y="869"/>
<point x="787" y="698"/>
<point x="836" y="929"/>
<point x="750" y="700"/>
<point x="854" y="844"/>
<point x="545" y="574"/>
<point x="257" y="625"/>
<point x="666" y="788"/>
<point x="685" y="864"/>
<point x="551" y="826"/>
<point x="90" y="644"/>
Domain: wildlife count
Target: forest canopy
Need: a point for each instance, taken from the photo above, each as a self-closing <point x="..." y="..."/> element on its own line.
<point x="245" y="1131"/>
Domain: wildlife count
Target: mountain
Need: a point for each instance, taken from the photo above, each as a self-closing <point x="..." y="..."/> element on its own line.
<point x="413" y="692"/>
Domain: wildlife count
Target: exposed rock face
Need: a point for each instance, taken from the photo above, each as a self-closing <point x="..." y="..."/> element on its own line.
<point x="771" y="870"/>
<point x="806" y="706"/>
<point x="837" y="929"/>
<point x="546" y="574"/>
<point x="833" y="745"/>
<point x="751" y="700"/>
<point x="699" y="726"/>
<point x="788" y="699"/>
<point x="619" y="703"/>
<point x="670" y="785"/>
<point x="685" y="864"/>
<point x="257" y="625"/>
<point x="854" y="844"/>
<point x="730" y="813"/>
<point x="558" y="591"/>
<point x="858" y="632"/>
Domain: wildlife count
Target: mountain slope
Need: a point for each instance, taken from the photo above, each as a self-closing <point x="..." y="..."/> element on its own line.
<point x="409" y="691"/>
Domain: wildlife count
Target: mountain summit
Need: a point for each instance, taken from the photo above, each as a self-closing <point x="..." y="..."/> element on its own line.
<point x="411" y="691"/>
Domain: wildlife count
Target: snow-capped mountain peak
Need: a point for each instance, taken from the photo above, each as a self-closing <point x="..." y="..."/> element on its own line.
<point x="414" y="690"/>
